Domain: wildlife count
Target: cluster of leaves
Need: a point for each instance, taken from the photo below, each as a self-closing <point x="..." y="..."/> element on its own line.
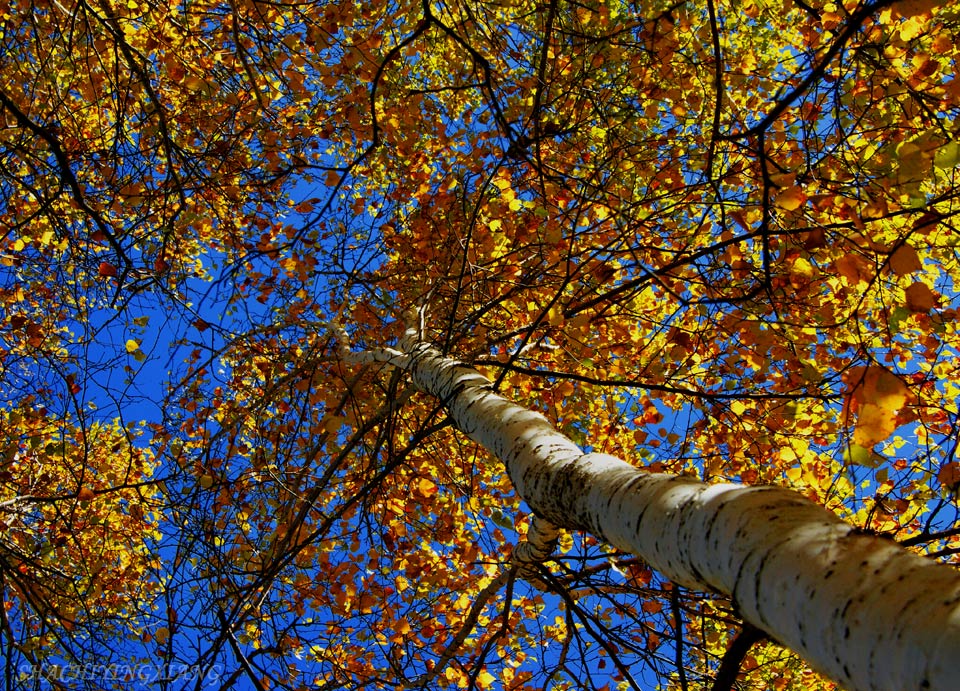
<point x="78" y="515"/>
<point x="715" y="239"/>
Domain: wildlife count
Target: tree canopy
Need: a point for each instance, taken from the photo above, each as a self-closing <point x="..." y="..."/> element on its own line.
<point x="714" y="239"/>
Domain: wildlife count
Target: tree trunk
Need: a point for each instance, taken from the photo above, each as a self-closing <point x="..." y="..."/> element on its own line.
<point x="859" y="608"/>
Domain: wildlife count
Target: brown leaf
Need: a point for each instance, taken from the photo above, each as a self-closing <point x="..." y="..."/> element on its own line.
<point x="905" y="260"/>
<point x="920" y="298"/>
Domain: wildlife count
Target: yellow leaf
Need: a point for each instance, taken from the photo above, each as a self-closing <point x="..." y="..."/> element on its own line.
<point x="484" y="679"/>
<point x="912" y="27"/>
<point x="195" y="83"/>
<point x="803" y="268"/>
<point x="882" y="387"/>
<point x="426" y="487"/>
<point x="132" y="346"/>
<point x="874" y="424"/>
<point x="881" y="394"/>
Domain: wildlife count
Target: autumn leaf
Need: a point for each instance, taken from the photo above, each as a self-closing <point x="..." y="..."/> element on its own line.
<point x="107" y="269"/>
<point x="857" y="454"/>
<point x="947" y="156"/>
<point x="908" y="8"/>
<point x="426" y="487"/>
<point x="791" y="198"/>
<point x="681" y="280"/>
<point x="949" y="475"/>
<point x="920" y="298"/>
<point x="879" y="394"/>
<point x="905" y="260"/>
<point x="849" y="267"/>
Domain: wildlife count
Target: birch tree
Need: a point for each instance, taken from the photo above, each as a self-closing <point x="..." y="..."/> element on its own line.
<point x="714" y="240"/>
<point x="858" y="607"/>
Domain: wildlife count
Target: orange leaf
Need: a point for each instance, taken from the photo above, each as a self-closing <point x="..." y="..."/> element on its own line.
<point x="107" y="269"/>
<point x="791" y="198"/>
<point x="882" y="387"/>
<point x="848" y="266"/>
<point x="651" y="606"/>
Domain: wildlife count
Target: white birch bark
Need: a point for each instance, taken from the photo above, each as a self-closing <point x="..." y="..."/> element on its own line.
<point x="860" y="609"/>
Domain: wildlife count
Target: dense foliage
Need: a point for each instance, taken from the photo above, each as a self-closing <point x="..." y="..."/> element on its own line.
<point x="713" y="238"/>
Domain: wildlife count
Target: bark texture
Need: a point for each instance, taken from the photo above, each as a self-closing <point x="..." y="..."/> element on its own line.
<point x="859" y="608"/>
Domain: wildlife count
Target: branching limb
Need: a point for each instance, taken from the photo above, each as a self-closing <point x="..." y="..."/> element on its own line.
<point x="541" y="541"/>
<point x="470" y="622"/>
<point x="733" y="658"/>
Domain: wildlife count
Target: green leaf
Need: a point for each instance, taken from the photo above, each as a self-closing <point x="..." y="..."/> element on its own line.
<point x="897" y="315"/>
<point x="947" y="156"/>
<point x="858" y="455"/>
<point x="501" y="519"/>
